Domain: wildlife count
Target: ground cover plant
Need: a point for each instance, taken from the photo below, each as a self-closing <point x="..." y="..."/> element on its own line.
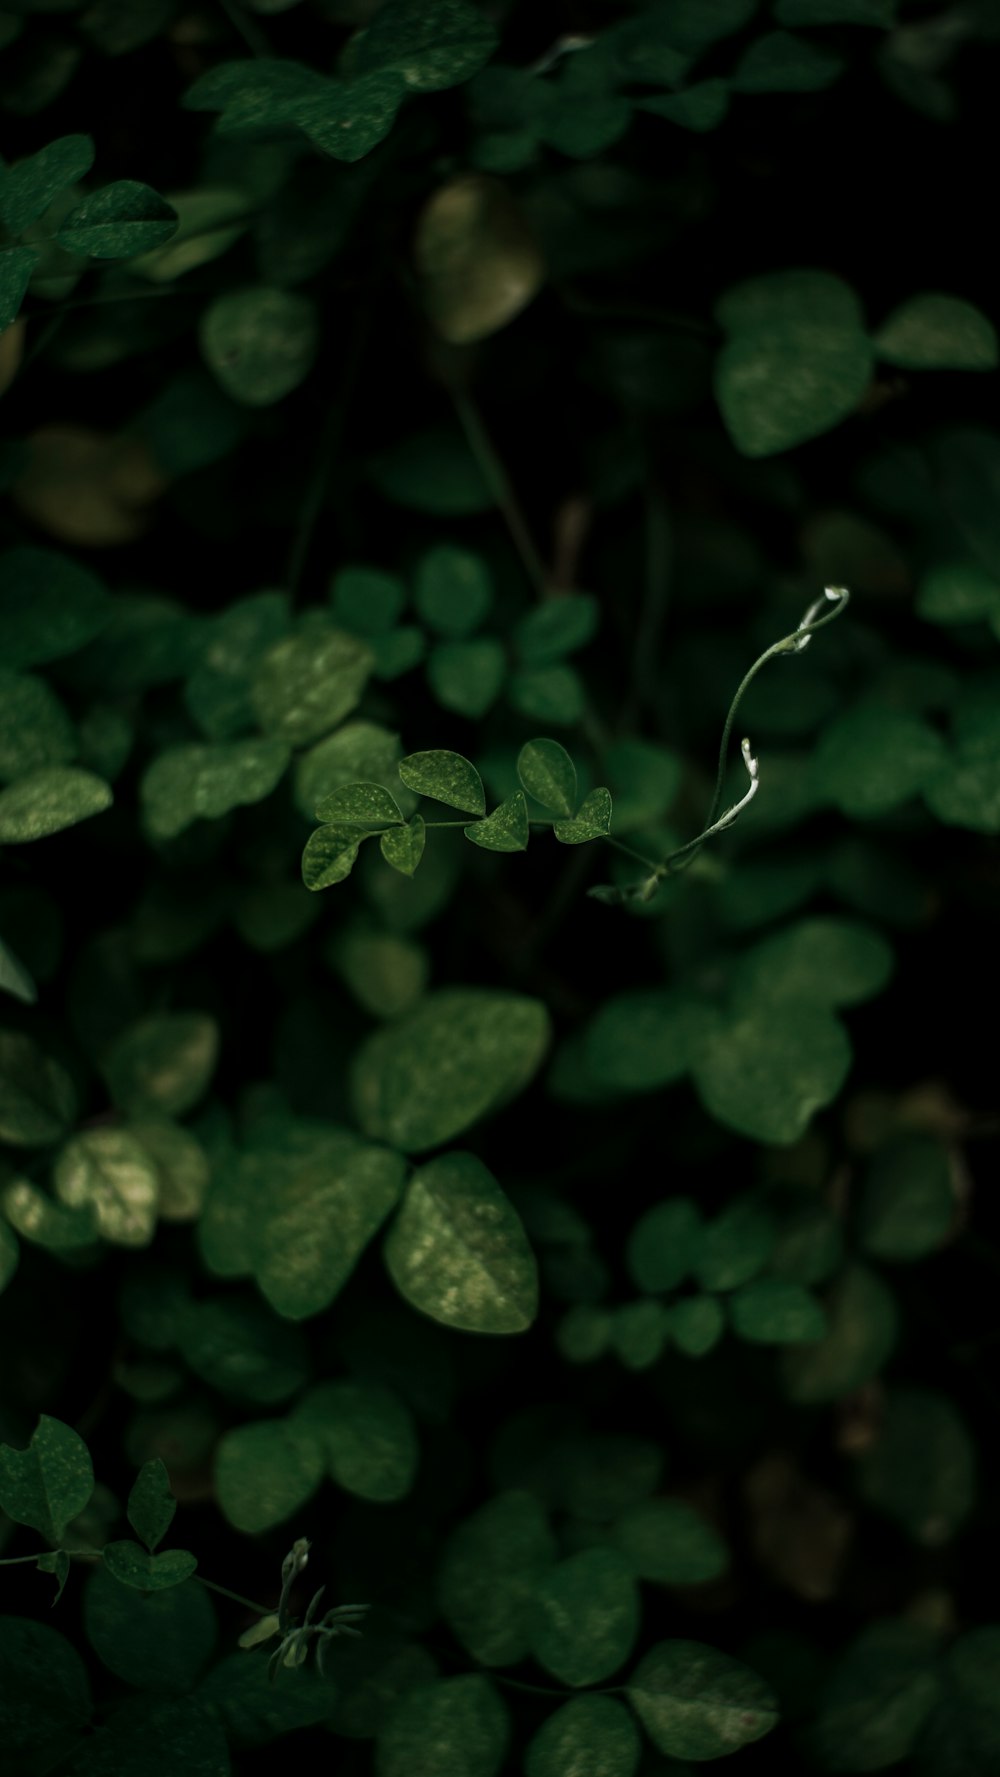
<point x="499" y="797"/>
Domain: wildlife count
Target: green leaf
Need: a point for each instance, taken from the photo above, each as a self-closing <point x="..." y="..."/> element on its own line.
<point x="466" y="677"/>
<point x="458" y="1252"/>
<point x="35" y="727"/>
<point x="16" y="267"/>
<point x="765" y="1075"/>
<point x="322" y="1214"/>
<point x="267" y="1471"/>
<point x="735" y="1245"/>
<point x="697" y="1323"/>
<point x="833" y="962"/>
<point x="643" y="1040"/>
<point x="107" y="1172"/>
<point x="433" y="472"/>
<point x="252" y="1710"/>
<point x="696" y="1703"/>
<point x="56" y="1562"/>
<point x="37" y="1097"/>
<point x="398" y="652"/>
<point x="591" y="821"/>
<point x="163" y="1063"/>
<point x="966" y="466"/>
<point x="668" y="1542"/>
<point x="548" y="694"/>
<point x="181" y="1163"/>
<point x="14" y="977"/>
<point x="367" y="601"/>
<point x="358" y="751"/>
<point x="453" y="590"/>
<point x="645" y="779"/>
<point x="557" y="627"/>
<point x="779" y="387"/>
<point x="782" y="63"/>
<point x="877" y="1698"/>
<point x="44" y="1694"/>
<point x="29" y="186"/>
<point x="958" y="592"/>
<point x="330" y="855"/>
<point x="363" y="805"/>
<point x="118" y="221"/>
<point x="134" y="1566"/>
<point x="584" y="1333"/>
<point x="862" y="1327"/>
<point x="190" y="783"/>
<point x="588" y="1737"/>
<point x="403" y="847"/>
<point x="445" y="777"/>
<point x="870" y="760"/>
<point x="639" y="1332"/>
<point x="444" y="43"/>
<point x="151" y="1505"/>
<point x="908" y="1205"/>
<point x="368" y="1436"/>
<point x="47" y="1485"/>
<point x="491" y="1564"/>
<point x="37" y="1218"/>
<point x="664" y="1245"/>
<point x="921" y="1467"/>
<point x="259" y="343"/>
<point x="307" y="683"/>
<point x="700" y="107"/>
<point x="584" y="1617"/>
<point x="156" y="1641"/>
<point x="210" y="221"/>
<point x="237" y="1347"/>
<point x="143" y="1740"/>
<point x="506" y="829"/>
<point x="218" y="690"/>
<point x="934" y="332"/>
<point x="462" y="1052"/>
<point x="49" y="800"/>
<point x="548" y="774"/>
<point x="809" y="1245"/>
<point x="386" y="973"/>
<point x="451" y="1727"/>
<point x="966" y="793"/>
<point x="775" y="1311"/>
<point x="10" y="1255"/>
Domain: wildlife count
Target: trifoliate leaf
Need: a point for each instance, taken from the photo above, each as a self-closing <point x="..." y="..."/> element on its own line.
<point x="491" y="1564"/>
<point x="134" y="1566"/>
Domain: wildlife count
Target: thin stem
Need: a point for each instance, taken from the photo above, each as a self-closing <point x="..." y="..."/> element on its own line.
<point x="482" y="448"/>
<point x="17" y="1560"/>
<point x="312" y="503"/>
<point x="263" y="1610"/>
<point x="637" y="856"/>
<point x="247" y="28"/>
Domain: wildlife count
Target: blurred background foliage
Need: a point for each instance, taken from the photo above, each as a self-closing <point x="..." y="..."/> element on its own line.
<point x="609" y="1294"/>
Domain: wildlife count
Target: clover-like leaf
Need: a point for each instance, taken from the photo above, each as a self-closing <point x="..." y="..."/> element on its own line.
<point x="506" y="829"/>
<point x="135" y="1566"/>
<point x="445" y="777"/>
<point x="47" y="1485"/>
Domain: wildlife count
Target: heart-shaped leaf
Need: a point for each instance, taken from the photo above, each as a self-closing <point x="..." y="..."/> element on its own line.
<point x="134" y="1566"/>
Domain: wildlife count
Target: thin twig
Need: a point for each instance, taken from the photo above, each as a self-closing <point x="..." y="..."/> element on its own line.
<point x="482" y="448"/>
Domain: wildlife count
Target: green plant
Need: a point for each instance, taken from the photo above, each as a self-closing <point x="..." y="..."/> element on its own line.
<point x="607" y="1298"/>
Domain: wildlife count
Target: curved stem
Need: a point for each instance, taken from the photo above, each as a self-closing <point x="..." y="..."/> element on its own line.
<point x="263" y="1610"/>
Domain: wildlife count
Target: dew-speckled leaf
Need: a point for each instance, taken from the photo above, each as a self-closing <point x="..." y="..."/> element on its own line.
<point x="452" y="1727"/>
<point x="457" y="1249"/>
<point x="695" y="1702"/>
<point x="16" y="267"/>
<point x="330" y="855"/>
<point x="37" y="1097"/>
<point x="776" y="1311"/>
<point x="664" y="1245"/>
<point x="322" y="1215"/>
<point x="363" y="805"/>
<point x="460" y="1053"/>
<point x="118" y="221"/>
<point x="921" y="1467"/>
<point x="453" y="590"/>
<point x="307" y="683"/>
<point x="506" y="829"/>
<point x="194" y="782"/>
<point x="548" y="774"/>
<point x="862" y="1328"/>
<point x="151" y="1505"/>
<point x="591" y="821"/>
<point x="491" y="1563"/>
<point x="47" y="1485"/>
<point x="45" y="1699"/>
<point x="367" y="1435"/>
<point x="764" y="1073"/>
<point x="937" y="332"/>
<point x="132" y="1565"/>
<point x="907" y="1205"/>
<point x="48" y="800"/>
<point x="156" y="1641"/>
<point x="436" y="45"/>
<point x="584" y="1617"/>
<point x="163" y="1063"/>
<point x="109" y="1173"/>
<point x="668" y="1542"/>
<point x="259" y="343"/>
<point x="403" y="847"/>
<point x="587" y="1737"/>
<point x="28" y="187"/>
<point x="265" y="1471"/>
<point x="445" y="777"/>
